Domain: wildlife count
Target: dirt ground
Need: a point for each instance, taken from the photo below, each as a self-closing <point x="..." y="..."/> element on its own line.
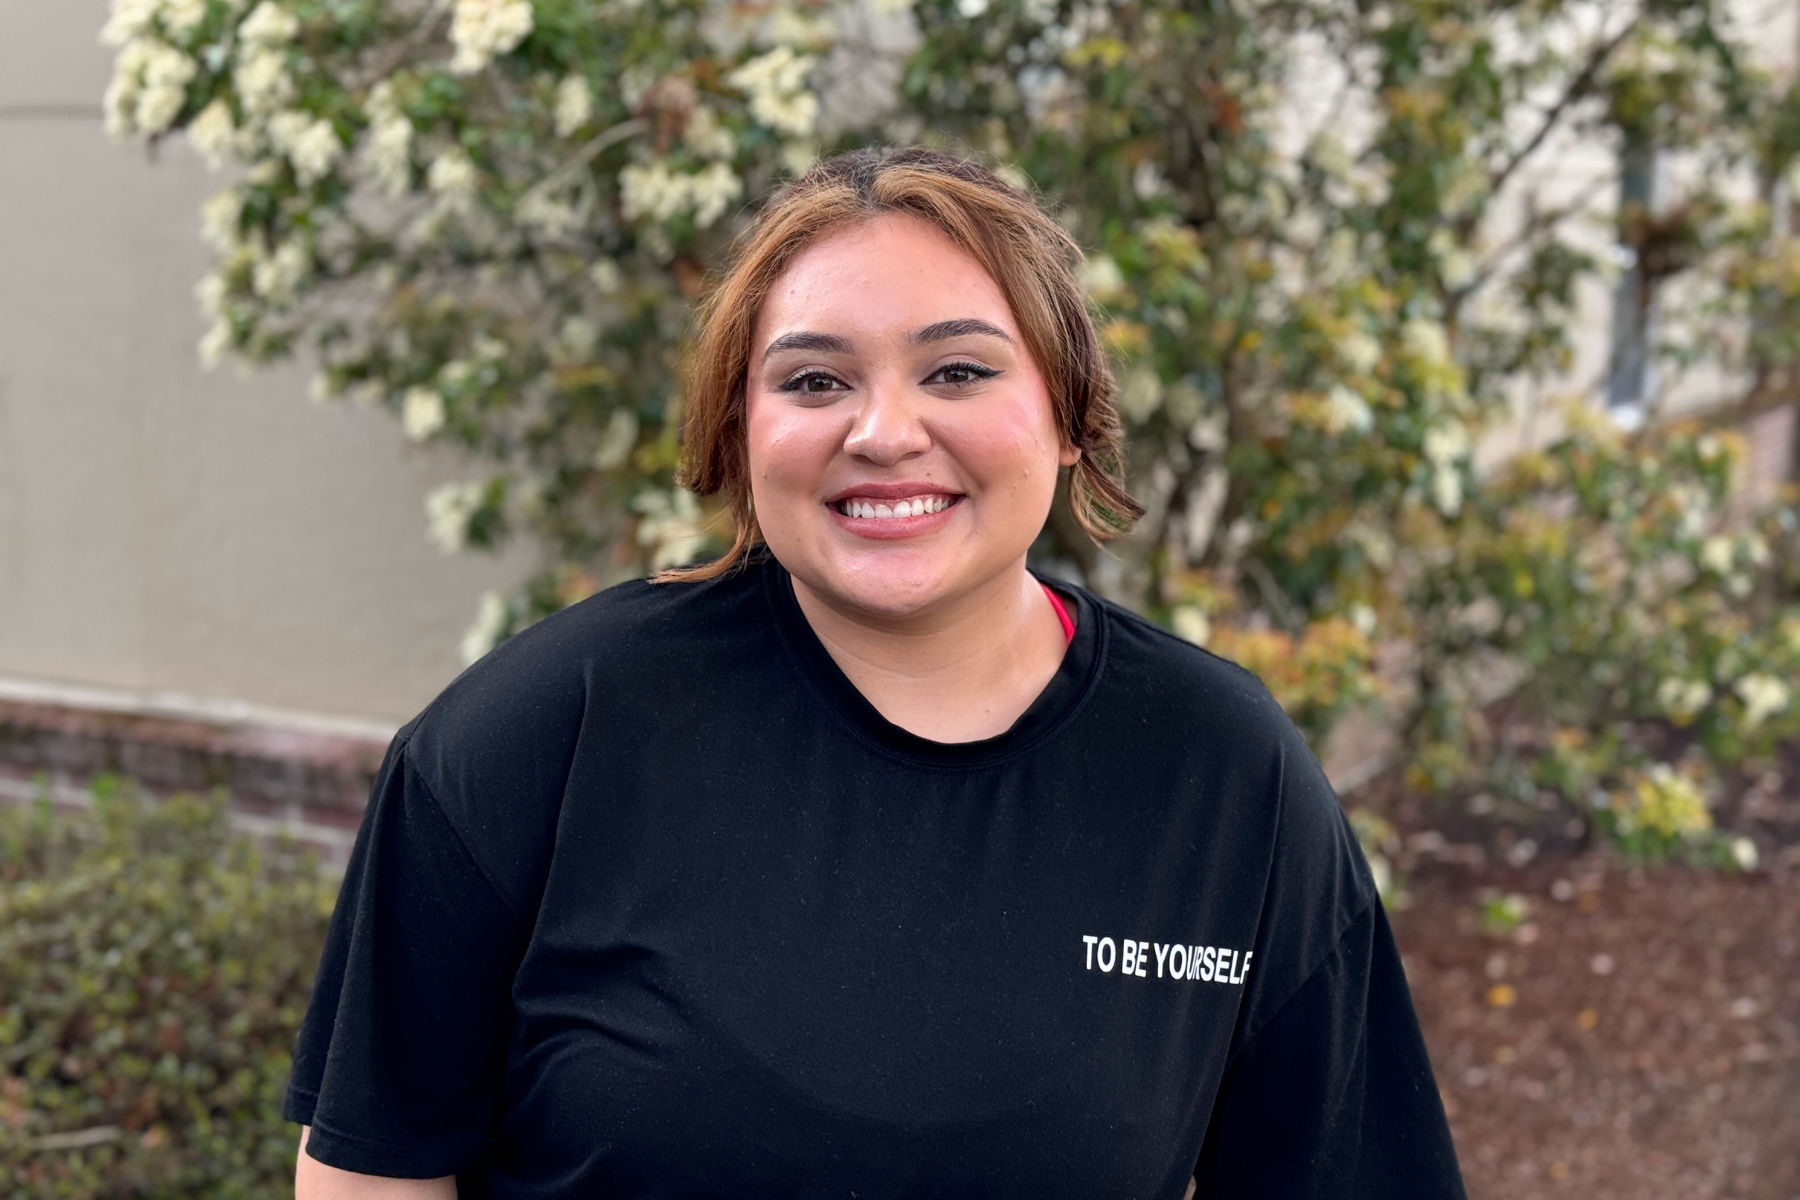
<point x="1635" y="1035"/>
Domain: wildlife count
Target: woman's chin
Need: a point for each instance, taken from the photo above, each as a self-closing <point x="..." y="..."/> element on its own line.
<point x="887" y="585"/>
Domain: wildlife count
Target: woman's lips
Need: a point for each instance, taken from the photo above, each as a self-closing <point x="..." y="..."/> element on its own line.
<point x="893" y="517"/>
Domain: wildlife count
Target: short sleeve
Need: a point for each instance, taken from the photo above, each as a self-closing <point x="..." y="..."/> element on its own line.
<point x="1334" y="1095"/>
<point x="398" y="1065"/>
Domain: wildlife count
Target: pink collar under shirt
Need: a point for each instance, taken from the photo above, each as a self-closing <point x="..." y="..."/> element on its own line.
<point x="1062" y="613"/>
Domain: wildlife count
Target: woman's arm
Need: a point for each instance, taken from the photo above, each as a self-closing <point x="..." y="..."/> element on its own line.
<point x="313" y="1180"/>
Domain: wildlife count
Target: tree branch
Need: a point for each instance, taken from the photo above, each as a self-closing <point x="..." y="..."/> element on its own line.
<point x="595" y="147"/>
<point x="1578" y="89"/>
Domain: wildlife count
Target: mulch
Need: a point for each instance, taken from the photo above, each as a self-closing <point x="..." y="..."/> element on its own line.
<point x="1636" y="1035"/>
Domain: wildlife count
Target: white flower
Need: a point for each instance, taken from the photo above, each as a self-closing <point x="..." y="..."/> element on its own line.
<point x="576" y="338"/>
<point x="213" y="345"/>
<point x="1454" y="263"/>
<point x="388" y="151"/>
<point x="447" y="512"/>
<point x="574" y="105"/>
<point x="706" y="137"/>
<point x="482" y="30"/>
<point x="1693" y="506"/>
<point x="164" y="75"/>
<point x="129" y="19"/>
<point x="606" y="276"/>
<point x="1345" y="410"/>
<point x="421" y="413"/>
<point x="210" y="292"/>
<point x="157" y="108"/>
<point x="712" y="191"/>
<point x="1190" y="623"/>
<point x="119" y="103"/>
<point x="484" y="632"/>
<point x="775" y="85"/>
<point x="1360" y="352"/>
<point x="795" y="113"/>
<point x="1101" y="278"/>
<point x="314" y="152"/>
<point x="1425" y="339"/>
<point x="211" y="132"/>
<point x="617" y="440"/>
<point x="1447" y="491"/>
<point x="656" y="191"/>
<point x="671" y="526"/>
<point x="277" y="277"/>
<point x="1382" y="872"/>
<point x="262" y="81"/>
<point x="799" y="156"/>
<point x="311" y="145"/>
<point x="1743" y="853"/>
<point x="181" y="16"/>
<point x="323" y="388"/>
<point x="452" y="175"/>
<point x="1330" y="156"/>
<point x="1763" y="697"/>
<point x="1445" y="444"/>
<point x="1683" y="698"/>
<point x="219" y="218"/>
<point x="1717" y="554"/>
<point x="269" y="25"/>
<point x="548" y="215"/>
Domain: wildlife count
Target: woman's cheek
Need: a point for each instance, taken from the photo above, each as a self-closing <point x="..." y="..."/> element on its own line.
<point x="789" y="452"/>
<point x="1009" y="446"/>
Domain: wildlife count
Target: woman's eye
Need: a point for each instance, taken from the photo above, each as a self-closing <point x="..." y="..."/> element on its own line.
<point x="813" y="383"/>
<point x="961" y="374"/>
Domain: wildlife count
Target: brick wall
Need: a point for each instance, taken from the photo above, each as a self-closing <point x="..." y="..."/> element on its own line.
<point x="308" y="780"/>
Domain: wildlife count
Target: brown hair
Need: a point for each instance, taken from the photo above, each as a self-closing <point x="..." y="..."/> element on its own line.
<point x="1026" y="252"/>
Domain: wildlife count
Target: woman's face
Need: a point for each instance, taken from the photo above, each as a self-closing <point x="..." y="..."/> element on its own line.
<point x="903" y="451"/>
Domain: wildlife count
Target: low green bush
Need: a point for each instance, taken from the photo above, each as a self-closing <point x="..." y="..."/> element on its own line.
<point x="153" y="970"/>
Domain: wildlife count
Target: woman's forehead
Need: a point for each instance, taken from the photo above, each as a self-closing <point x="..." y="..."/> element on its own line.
<point x="894" y="275"/>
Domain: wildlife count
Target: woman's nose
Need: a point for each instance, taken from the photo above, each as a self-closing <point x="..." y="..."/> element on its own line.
<point x="888" y="428"/>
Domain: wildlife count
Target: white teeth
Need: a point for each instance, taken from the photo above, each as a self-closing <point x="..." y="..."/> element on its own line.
<point x="916" y="507"/>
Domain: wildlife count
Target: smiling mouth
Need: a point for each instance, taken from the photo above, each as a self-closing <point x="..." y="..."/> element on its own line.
<point x="889" y="510"/>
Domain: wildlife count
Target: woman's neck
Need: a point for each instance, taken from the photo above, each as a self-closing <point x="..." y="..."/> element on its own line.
<point x="961" y="673"/>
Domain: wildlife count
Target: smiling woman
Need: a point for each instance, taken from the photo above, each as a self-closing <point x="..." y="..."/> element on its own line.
<point x="863" y="861"/>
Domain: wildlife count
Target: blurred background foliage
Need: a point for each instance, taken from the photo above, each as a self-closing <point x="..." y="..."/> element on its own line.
<point x="1321" y="248"/>
<point x="153" y="969"/>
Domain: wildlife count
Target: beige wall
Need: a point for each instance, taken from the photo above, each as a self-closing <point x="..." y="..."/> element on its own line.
<point x="161" y="527"/>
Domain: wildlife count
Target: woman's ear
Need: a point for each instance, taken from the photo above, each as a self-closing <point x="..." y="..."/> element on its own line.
<point x="1069" y="455"/>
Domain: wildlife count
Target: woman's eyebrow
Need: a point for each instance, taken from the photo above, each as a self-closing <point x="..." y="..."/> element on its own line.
<point x="823" y="343"/>
<point x="960" y="327"/>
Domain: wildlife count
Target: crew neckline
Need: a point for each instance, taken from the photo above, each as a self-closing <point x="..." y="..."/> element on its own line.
<point x="1061" y="697"/>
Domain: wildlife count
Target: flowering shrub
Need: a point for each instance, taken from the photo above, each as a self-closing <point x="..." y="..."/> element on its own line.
<point x="1619" y="608"/>
<point x="1324" y="260"/>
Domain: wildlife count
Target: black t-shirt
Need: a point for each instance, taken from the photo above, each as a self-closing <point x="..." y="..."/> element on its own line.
<point x="651" y="902"/>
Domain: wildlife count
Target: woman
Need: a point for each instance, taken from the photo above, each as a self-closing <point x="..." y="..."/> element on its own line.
<point x="861" y="862"/>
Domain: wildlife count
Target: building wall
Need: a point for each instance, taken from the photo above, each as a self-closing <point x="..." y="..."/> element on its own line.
<point x="163" y="528"/>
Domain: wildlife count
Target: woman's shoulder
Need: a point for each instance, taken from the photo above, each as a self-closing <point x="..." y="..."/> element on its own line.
<point x="519" y="710"/>
<point x="1191" y="684"/>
